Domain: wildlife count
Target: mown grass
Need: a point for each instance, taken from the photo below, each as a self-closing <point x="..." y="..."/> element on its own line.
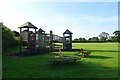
<point x="102" y="63"/>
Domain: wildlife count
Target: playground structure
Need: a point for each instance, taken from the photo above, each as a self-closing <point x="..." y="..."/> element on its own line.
<point x="28" y="37"/>
<point x="67" y="41"/>
<point x="37" y="41"/>
<point x="40" y="38"/>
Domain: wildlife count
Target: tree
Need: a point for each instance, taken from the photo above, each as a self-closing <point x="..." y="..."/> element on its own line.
<point x="82" y="39"/>
<point x="117" y="35"/>
<point x="89" y="39"/>
<point x="103" y="36"/>
<point x="111" y="39"/>
<point x="76" y="39"/>
<point x="94" y="39"/>
<point x="8" y="39"/>
<point x="16" y="33"/>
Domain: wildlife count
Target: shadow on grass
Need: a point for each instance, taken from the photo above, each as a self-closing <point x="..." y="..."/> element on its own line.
<point x="98" y="57"/>
<point x="41" y="68"/>
<point x="83" y="69"/>
<point x="90" y="51"/>
<point x="96" y="50"/>
<point x="103" y="51"/>
<point x="46" y="51"/>
<point x="41" y="51"/>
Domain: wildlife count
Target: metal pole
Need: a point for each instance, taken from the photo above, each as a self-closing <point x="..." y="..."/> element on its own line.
<point x="35" y="42"/>
<point x="28" y="42"/>
<point x="20" y="40"/>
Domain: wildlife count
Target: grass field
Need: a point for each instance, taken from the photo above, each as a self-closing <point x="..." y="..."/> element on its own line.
<point x="102" y="63"/>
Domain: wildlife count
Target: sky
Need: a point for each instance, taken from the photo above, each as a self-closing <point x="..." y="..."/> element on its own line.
<point x="83" y="19"/>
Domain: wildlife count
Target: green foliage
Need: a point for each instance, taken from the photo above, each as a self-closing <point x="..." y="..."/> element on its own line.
<point x="8" y="38"/>
<point x="76" y="39"/>
<point x="103" y="36"/>
<point x="94" y="39"/>
<point x="102" y="39"/>
<point x="117" y="35"/>
<point x="89" y="39"/>
<point x="80" y="39"/>
<point x="16" y="33"/>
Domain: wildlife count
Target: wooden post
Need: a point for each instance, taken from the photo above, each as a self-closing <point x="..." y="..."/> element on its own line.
<point x="51" y="41"/>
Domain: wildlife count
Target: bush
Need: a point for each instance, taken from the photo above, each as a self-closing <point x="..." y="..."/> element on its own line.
<point x="8" y="38"/>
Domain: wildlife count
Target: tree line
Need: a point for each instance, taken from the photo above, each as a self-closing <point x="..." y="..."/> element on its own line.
<point x="103" y="37"/>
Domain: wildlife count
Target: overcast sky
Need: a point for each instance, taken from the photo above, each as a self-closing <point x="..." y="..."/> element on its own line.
<point x="83" y="19"/>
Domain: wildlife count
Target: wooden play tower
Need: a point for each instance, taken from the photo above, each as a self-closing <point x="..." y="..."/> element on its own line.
<point x="28" y="37"/>
<point x="67" y="40"/>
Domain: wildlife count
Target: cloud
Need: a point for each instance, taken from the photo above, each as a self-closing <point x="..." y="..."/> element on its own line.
<point x="95" y="19"/>
<point x="58" y="22"/>
<point x="84" y="19"/>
